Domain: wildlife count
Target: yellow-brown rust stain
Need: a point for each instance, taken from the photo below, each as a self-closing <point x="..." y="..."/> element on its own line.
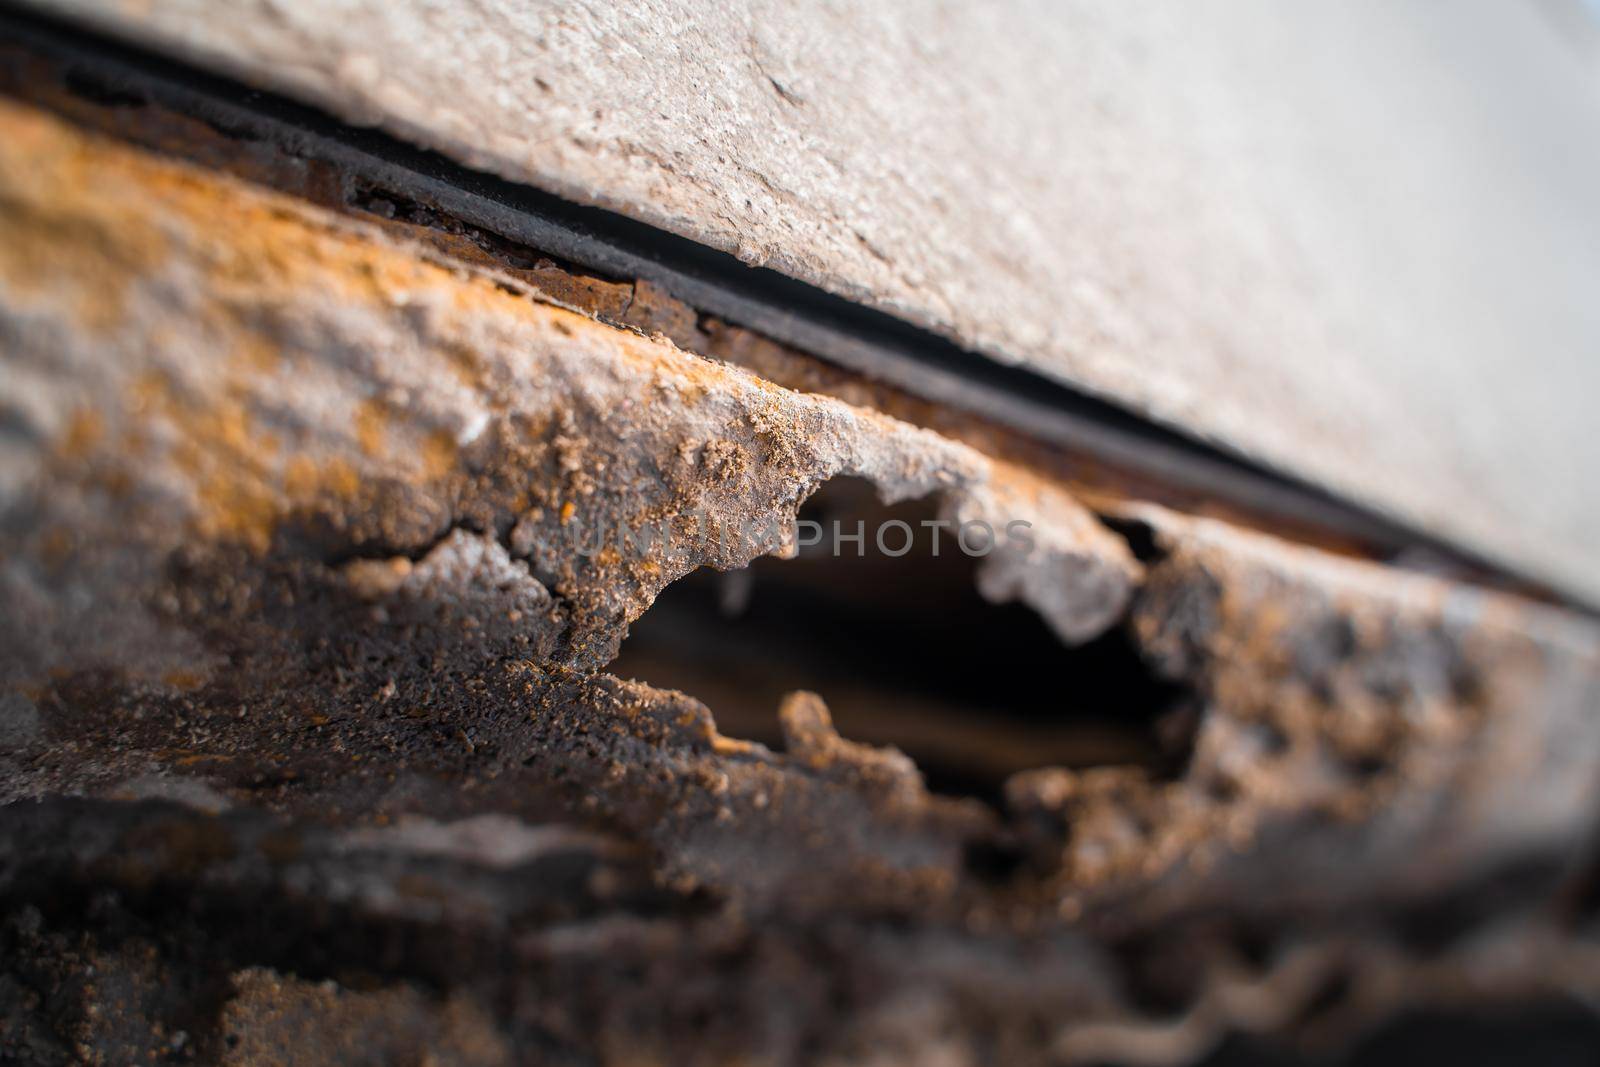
<point x="62" y="232"/>
<point x="184" y="680"/>
<point x="81" y="209"/>
<point x="433" y="452"/>
<point x="438" y="455"/>
<point x="219" y="256"/>
<point x="216" y="447"/>
<point x="307" y="478"/>
<point x="94" y="222"/>
<point x="372" y="427"/>
<point x="244" y="482"/>
<point x="84" y="433"/>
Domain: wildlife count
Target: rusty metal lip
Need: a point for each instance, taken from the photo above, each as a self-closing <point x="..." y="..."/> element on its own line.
<point x="830" y="327"/>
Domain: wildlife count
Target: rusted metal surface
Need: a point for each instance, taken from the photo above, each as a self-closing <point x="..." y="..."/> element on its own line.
<point x="314" y="565"/>
<point x="46" y="72"/>
<point x="622" y="273"/>
<point x="1353" y="243"/>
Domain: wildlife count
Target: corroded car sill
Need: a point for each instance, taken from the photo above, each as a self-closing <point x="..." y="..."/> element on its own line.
<point x="292" y="519"/>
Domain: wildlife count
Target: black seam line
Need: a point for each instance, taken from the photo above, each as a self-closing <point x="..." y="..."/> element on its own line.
<point x="859" y="338"/>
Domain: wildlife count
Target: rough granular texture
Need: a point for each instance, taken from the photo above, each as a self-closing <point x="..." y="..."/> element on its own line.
<point x="308" y="542"/>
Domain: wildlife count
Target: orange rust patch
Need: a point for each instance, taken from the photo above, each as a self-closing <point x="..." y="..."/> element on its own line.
<point x="82" y="209"/>
<point x="95" y="222"/>
<point x="372" y="427"/>
<point x="438" y="454"/>
<point x="84" y="432"/>
<point x="306" y="478"/>
<point x="244" y="484"/>
<point x="184" y="680"/>
<point x="216" y="448"/>
<point x="61" y="236"/>
<point x="258" y="354"/>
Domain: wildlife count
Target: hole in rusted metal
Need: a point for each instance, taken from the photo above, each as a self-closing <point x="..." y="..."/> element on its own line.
<point x="905" y="652"/>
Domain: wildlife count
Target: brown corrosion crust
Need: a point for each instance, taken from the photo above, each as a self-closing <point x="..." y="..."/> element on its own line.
<point x="315" y="382"/>
<point x="308" y="542"/>
<point x="1336" y="695"/>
